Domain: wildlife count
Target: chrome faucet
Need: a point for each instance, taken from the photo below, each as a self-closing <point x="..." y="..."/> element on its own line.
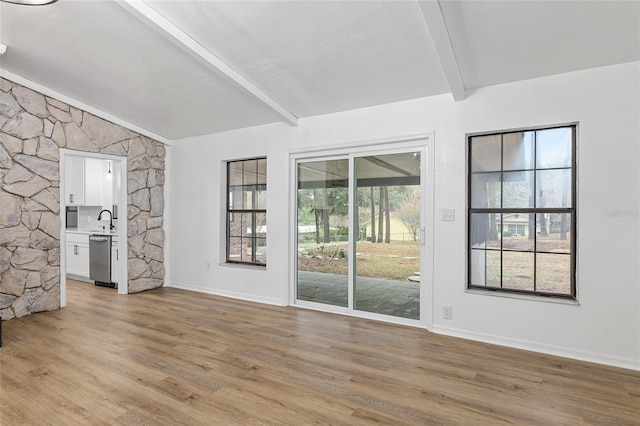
<point x="110" y="218"/>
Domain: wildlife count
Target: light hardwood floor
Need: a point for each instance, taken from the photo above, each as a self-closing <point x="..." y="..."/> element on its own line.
<point x="173" y="357"/>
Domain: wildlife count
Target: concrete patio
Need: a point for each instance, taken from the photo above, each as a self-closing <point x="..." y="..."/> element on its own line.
<point x="383" y="296"/>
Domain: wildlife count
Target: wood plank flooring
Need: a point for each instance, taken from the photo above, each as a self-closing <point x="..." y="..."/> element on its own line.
<point x="173" y="357"/>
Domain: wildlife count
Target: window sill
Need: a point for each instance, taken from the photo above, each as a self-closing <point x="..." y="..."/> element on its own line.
<point x="244" y="266"/>
<point x="533" y="298"/>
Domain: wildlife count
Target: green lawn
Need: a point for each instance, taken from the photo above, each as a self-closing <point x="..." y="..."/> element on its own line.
<point x="397" y="260"/>
<point x="552" y="270"/>
<point x="400" y="260"/>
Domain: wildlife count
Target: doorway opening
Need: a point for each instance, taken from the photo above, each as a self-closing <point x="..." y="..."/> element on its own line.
<point x="93" y="203"/>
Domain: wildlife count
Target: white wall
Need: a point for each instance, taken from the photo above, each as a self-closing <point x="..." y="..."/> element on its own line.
<point x="604" y="327"/>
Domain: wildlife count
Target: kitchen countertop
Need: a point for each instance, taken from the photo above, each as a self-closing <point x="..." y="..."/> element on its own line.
<point x="93" y="231"/>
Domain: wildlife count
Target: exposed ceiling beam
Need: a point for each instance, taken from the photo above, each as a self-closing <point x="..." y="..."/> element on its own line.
<point x="3" y="48"/>
<point x="155" y="20"/>
<point x="440" y="36"/>
<point x="385" y="165"/>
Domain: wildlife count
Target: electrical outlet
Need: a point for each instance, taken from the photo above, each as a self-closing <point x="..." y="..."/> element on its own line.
<point x="448" y="215"/>
<point x="447" y="312"/>
<point x="208" y="265"/>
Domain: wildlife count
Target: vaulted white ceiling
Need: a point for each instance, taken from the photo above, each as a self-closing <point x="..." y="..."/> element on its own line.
<point x="176" y="69"/>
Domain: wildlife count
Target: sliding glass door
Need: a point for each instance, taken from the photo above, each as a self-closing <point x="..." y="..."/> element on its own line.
<point x="387" y="247"/>
<point x="323" y="231"/>
<point x="358" y="232"/>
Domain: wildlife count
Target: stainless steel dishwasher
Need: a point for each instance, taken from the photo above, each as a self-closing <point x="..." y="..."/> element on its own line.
<point x="100" y="260"/>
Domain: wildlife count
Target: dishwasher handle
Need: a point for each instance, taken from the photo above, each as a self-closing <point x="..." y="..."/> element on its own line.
<point x="98" y="238"/>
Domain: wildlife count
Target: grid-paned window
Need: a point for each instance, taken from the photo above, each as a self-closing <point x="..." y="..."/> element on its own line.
<point x="522" y="211"/>
<point x="247" y="211"/>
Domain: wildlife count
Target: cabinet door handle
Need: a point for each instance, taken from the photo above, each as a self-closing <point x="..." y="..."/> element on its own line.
<point x="75" y="249"/>
<point x="71" y="198"/>
<point x="117" y="254"/>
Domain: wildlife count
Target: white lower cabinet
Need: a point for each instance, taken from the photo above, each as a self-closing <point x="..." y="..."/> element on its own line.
<point x="115" y="262"/>
<point x="78" y="254"/>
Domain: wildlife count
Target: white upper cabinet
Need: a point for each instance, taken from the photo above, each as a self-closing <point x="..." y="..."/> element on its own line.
<point x="94" y="181"/>
<point x="86" y="182"/>
<point x="74" y="181"/>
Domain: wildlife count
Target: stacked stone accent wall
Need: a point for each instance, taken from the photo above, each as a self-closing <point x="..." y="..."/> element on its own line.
<point x="33" y="128"/>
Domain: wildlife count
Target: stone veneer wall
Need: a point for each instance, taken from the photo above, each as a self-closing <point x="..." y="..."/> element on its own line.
<point x="33" y="128"/>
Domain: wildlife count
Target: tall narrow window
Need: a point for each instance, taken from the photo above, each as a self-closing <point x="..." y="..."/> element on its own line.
<point x="247" y="211"/>
<point x="522" y="212"/>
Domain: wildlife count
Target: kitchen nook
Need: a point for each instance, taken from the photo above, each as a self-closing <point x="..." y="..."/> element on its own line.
<point x="92" y="188"/>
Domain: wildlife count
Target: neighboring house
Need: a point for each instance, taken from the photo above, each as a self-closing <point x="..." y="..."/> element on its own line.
<point x="515" y="224"/>
<point x="308" y="233"/>
<point x="399" y="231"/>
<point x="306" y="230"/>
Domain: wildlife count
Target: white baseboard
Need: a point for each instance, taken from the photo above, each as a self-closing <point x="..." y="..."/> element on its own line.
<point x="80" y="278"/>
<point x="231" y="294"/>
<point x="598" y="358"/>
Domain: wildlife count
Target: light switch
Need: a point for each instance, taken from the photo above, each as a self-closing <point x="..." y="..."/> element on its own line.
<point x="448" y="215"/>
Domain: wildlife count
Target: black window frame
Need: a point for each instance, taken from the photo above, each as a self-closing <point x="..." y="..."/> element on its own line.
<point x="232" y="212"/>
<point x="572" y="210"/>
